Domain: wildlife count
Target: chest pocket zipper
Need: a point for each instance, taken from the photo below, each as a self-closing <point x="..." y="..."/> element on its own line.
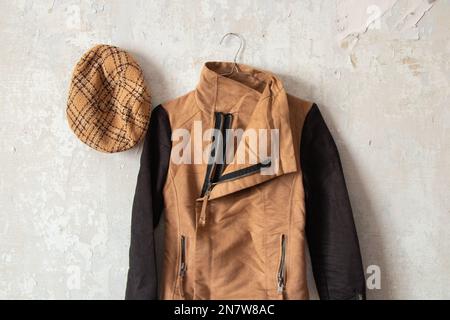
<point x="182" y="266"/>
<point x="281" y="274"/>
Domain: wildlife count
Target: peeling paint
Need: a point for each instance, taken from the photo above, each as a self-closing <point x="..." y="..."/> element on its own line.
<point x="353" y="60"/>
<point x="414" y="13"/>
<point x="354" y="17"/>
<point x="357" y="17"/>
<point x="413" y="65"/>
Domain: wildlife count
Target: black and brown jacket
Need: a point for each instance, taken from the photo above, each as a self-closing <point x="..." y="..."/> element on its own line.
<point x="231" y="232"/>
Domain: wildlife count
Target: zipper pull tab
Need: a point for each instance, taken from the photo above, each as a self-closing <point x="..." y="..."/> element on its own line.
<point x="282" y="268"/>
<point x="280" y="287"/>
<point x="182" y="269"/>
<point x="183" y="266"/>
<point x="202" y="219"/>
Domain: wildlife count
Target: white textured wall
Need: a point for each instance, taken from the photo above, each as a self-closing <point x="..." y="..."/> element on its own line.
<point x="384" y="91"/>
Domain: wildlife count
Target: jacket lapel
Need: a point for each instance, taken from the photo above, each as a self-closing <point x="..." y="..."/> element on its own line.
<point x="269" y="120"/>
<point x="258" y="104"/>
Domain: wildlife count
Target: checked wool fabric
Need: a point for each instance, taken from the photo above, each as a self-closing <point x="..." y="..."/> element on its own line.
<point x="109" y="105"/>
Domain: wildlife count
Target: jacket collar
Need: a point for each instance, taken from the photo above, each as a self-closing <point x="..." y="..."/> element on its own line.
<point x="217" y="92"/>
<point x="257" y="100"/>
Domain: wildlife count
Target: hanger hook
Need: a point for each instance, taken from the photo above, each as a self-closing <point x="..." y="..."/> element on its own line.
<point x="241" y="45"/>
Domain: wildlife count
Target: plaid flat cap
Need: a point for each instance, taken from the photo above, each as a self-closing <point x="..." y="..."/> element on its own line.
<point x="109" y="105"/>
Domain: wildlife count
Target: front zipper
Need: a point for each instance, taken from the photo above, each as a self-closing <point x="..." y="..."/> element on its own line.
<point x="220" y="120"/>
<point x="281" y="274"/>
<point x="182" y="267"/>
<point x="227" y="121"/>
<point x="214" y="171"/>
<point x="225" y="178"/>
<point x="210" y="169"/>
<point x="243" y="172"/>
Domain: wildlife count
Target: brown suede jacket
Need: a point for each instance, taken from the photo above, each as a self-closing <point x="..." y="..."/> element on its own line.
<point x="238" y="229"/>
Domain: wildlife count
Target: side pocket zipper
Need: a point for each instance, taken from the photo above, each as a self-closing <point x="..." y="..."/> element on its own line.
<point x="281" y="274"/>
<point x="183" y="266"/>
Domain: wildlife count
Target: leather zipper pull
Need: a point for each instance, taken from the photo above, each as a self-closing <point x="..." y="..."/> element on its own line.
<point x="202" y="219"/>
<point x="282" y="266"/>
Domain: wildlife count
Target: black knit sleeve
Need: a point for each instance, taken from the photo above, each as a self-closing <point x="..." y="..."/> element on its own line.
<point x="148" y="204"/>
<point x="330" y="229"/>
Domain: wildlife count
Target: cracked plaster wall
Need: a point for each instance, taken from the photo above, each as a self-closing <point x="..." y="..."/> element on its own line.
<point x="379" y="70"/>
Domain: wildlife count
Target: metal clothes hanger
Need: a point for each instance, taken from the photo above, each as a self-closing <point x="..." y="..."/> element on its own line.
<point x="241" y="47"/>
